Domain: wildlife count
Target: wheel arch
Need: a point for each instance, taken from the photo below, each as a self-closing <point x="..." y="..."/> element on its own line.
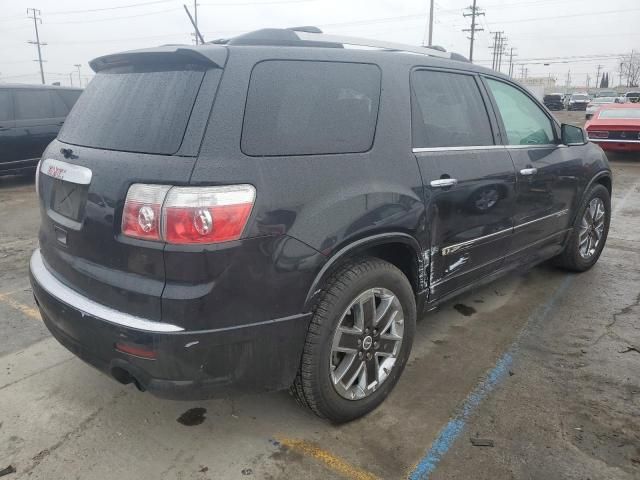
<point x="603" y="177"/>
<point x="400" y="249"/>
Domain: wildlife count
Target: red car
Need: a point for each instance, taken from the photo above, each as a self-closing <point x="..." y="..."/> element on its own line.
<point x="616" y="127"/>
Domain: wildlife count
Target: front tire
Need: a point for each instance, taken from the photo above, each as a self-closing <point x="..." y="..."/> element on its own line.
<point x="358" y="341"/>
<point x="590" y="231"/>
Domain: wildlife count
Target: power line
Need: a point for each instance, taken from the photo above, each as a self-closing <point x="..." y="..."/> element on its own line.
<point x="573" y="15"/>
<point x="474" y="12"/>
<point x="36" y="19"/>
<point x="119" y="7"/>
<point x="115" y="18"/>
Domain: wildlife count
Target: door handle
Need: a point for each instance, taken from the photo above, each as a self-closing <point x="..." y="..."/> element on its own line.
<point x="528" y="171"/>
<point x="444" y="182"/>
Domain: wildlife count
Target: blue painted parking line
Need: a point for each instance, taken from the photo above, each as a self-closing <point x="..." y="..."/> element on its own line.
<point x="452" y="430"/>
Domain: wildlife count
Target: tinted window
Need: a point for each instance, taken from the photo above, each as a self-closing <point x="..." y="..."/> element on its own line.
<point x="135" y="109"/>
<point x="6" y="106"/>
<point x="32" y="104"/>
<point x="69" y="97"/>
<point x="60" y="109"/>
<point x="524" y="120"/>
<point x="448" y="111"/>
<point x="306" y="108"/>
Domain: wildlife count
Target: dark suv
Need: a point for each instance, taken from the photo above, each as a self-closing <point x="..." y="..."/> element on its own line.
<point x="30" y="118"/>
<point x="279" y="210"/>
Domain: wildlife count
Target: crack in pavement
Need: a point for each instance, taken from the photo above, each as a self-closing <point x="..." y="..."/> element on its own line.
<point x="82" y="426"/>
<point x="42" y="370"/>
<point x="608" y="327"/>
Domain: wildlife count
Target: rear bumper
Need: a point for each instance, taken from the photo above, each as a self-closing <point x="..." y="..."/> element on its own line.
<point x="188" y="364"/>
<point x="618" y="145"/>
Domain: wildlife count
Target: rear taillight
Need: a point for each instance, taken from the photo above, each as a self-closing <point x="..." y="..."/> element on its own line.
<point x="187" y="215"/>
<point x="597" y="134"/>
<point x="143" y="211"/>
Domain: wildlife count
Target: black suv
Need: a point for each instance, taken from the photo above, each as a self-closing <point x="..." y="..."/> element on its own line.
<point x="554" y="101"/>
<point x="30" y="118"/>
<point x="278" y="210"/>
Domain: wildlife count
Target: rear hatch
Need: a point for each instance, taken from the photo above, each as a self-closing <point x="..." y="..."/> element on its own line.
<point x="140" y="120"/>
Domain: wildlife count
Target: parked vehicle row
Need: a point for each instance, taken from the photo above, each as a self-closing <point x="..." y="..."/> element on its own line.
<point x="584" y="101"/>
<point x="290" y="207"/>
<point x="30" y="118"/>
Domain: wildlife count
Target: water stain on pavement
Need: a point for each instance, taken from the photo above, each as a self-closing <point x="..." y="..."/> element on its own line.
<point x="464" y="309"/>
<point x="193" y="416"/>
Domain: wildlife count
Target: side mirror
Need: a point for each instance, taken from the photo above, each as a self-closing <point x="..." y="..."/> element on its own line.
<point x="572" y="135"/>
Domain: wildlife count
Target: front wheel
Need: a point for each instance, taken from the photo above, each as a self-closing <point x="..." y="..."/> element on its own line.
<point x="358" y="342"/>
<point x="590" y="231"/>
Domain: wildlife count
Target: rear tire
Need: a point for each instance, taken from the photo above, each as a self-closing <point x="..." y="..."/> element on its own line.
<point x="356" y="295"/>
<point x="589" y="235"/>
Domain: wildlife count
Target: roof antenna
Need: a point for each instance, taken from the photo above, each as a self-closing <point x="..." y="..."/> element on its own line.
<point x="194" y="24"/>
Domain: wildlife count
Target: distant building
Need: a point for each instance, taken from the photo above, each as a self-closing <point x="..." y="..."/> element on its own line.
<point x="545" y="82"/>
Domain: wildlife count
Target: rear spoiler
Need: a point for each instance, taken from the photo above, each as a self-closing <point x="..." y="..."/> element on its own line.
<point x="212" y="56"/>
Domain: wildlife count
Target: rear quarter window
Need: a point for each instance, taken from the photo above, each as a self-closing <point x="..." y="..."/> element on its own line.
<point x="310" y="108"/>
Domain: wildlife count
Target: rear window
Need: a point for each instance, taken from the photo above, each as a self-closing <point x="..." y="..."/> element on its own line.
<point x="135" y="108"/>
<point x="310" y="108"/>
<point x="553" y="98"/>
<point x="620" y="113"/>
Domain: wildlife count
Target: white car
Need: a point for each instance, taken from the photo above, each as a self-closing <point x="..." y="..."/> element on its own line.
<point x="595" y="105"/>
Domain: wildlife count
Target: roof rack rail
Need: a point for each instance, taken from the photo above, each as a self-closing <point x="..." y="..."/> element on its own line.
<point x="367" y="42"/>
<point x="314" y="37"/>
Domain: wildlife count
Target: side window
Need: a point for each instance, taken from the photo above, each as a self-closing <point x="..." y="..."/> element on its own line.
<point x="69" y="97"/>
<point x="310" y="108"/>
<point x="33" y="104"/>
<point x="447" y="110"/>
<point x="59" y="107"/>
<point x="524" y="121"/>
<point x="6" y="106"/>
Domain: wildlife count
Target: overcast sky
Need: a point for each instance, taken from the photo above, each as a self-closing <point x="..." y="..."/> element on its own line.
<point x="541" y="31"/>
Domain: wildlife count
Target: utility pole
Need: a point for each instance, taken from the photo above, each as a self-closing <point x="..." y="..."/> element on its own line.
<point x="588" y="82"/>
<point x="431" y="6"/>
<point x="195" y="19"/>
<point x="195" y="26"/>
<point x="630" y="69"/>
<point x="568" y="81"/>
<point x="494" y="48"/>
<point x="78" y="65"/>
<point x="511" y="62"/>
<point x="35" y="14"/>
<point x="475" y="11"/>
<point x="620" y="76"/>
<point x="71" y="78"/>
<point x="503" y="43"/>
<point x="598" y="76"/>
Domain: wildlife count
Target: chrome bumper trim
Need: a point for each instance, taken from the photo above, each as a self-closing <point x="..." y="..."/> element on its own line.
<point x="70" y="297"/>
<point x="612" y="140"/>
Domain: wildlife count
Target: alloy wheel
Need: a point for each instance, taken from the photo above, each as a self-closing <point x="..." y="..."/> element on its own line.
<point x="366" y="343"/>
<point x="591" y="228"/>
